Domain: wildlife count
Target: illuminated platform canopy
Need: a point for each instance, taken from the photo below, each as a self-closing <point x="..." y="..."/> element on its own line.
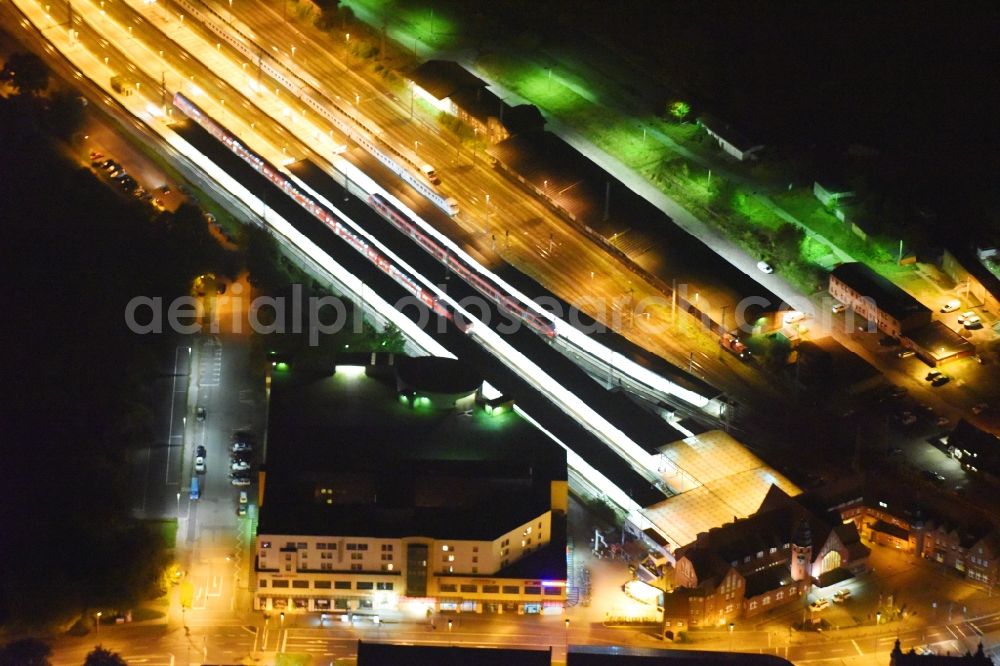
<point x="716" y="479"/>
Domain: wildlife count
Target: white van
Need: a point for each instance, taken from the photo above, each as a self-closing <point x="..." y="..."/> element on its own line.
<point x="430" y="174"/>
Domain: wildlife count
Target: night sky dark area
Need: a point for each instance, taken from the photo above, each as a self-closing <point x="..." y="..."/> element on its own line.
<point x="915" y="80"/>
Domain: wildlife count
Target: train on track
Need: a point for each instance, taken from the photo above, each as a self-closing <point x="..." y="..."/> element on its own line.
<point x="398" y="219"/>
<point x="405" y="224"/>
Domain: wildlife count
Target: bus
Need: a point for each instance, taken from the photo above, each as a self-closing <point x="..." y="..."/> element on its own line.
<point x="195" y="491"/>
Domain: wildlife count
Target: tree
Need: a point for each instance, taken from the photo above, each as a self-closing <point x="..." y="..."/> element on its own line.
<point x="26" y="72"/>
<point x="65" y="113"/>
<point x="787" y="242"/>
<point x="26" y="652"/>
<point x="678" y="110"/>
<point x="100" y="656"/>
<point x="391" y="339"/>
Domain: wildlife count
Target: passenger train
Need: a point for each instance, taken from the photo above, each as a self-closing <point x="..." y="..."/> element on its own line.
<point x="406" y="225"/>
<point x="271" y="172"/>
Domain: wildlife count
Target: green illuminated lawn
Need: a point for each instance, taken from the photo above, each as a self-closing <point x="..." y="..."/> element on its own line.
<point x="675" y="156"/>
<point x="407" y="23"/>
<point x="545" y="88"/>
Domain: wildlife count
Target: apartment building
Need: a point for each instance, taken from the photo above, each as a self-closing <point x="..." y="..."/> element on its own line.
<point x="375" y="502"/>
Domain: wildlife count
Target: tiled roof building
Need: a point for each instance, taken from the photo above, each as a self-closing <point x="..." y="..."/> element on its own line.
<point x="770" y="558"/>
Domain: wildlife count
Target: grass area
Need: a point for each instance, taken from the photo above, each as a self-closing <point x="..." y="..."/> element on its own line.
<point x="679" y="132"/>
<point x="542" y="87"/>
<point x="631" y="145"/>
<point x="293" y="659"/>
<point x="807" y="209"/>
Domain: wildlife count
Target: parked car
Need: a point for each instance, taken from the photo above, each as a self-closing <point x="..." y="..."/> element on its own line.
<point x="965" y="315"/>
<point x="841" y="595"/>
<point x="241" y="509"/>
<point x="936" y="477"/>
<point x="941" y="421"/>
<point x="242" y="441"/>
<point x="838" y="308"/>
<point x="980" y="408"/>
<point x="819" y="604"/>
<point x="940" y="381"/>
<point x="905" y="353"/>
<point x="897" y="391"/>
<point x="951" y="305"/>
<point x="932" y="375"/>
<point x="240" y="481"/>
<point x="200" y="413"/>
<point x="243" y="497"/>
<point x="199" y="465"/>
<point x="765" y="267"/>
<point x="240" y="465"/>
<point x="792" y="316"/>
<point x="973" y="322"/>
<point x="200" y="451"/>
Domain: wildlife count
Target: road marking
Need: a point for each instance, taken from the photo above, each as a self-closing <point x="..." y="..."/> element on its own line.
<point x="857" y="647"/>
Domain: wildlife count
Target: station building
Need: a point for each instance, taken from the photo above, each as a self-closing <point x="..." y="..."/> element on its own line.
<point x="768" y="559"/>
<point x="387" y="485"/>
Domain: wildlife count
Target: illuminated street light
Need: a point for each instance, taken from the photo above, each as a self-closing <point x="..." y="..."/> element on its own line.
<point x="347" y="42"/>
<point x="293" y="51"/>
<point x="98" y="616"/>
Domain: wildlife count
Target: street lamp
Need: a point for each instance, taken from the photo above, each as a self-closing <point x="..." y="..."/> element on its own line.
<point x="347" y="46"/>
<point x="281" y="617"/>
<point x="293" y="51"/>
<point x="731" y="627"/>
<point x="178" y="506"/>
<point x="98" y="616"/>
